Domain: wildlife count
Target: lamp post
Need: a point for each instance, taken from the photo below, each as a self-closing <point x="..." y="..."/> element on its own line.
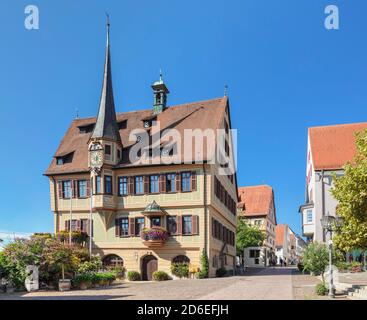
<point x="329" y="224"/>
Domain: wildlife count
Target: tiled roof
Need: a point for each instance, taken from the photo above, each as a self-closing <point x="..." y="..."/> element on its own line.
<point x="333" y="146"/>
<point x="279" y="235"/>
<point x="199" y="115"/>
<point x="257" y="200"/>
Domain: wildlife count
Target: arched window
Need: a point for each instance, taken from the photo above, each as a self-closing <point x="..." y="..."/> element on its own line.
<point x="181" y="259"/>
<point x="113" y="260"/>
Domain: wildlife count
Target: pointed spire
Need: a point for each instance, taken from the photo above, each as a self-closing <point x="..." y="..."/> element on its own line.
<point x="226" y="90"/>
<point x="106" y="125"/>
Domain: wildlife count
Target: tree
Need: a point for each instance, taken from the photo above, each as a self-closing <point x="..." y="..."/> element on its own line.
<point x="247" y="236"/>
<point x="204" y="261"/>
<point x="351" y="192"/>
<point x="316" y="258"/>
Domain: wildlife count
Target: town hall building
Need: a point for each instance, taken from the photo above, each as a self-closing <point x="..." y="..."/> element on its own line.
<point x="146" y="215"/>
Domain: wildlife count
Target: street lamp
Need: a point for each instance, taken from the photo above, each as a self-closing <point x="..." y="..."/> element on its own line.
<point x="329" y="224"/>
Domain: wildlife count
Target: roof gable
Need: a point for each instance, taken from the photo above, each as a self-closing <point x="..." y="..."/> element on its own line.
<point x="257" y="200"/>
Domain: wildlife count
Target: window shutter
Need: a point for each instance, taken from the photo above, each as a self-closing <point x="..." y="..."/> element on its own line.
<point x="132" y="227"/>
<point x="179" y="225"/>
<point x="78" y="225"/>
<point x="162" y="183"/>
<point x="59" y="186"/>
<point x="178" y="182"/>
<point x="213" y="227"/>
<point x="85" y="227"/>
<point x="74" y="186"/>
<point x="193" y="181"/>
<point x="117" y="228"/>
<point x="67" y="224"/>
<point x="88" y="188"/>
<point x="130" y="189"/>
<point x="195" y="225"/>
<point x="146" y="184"/>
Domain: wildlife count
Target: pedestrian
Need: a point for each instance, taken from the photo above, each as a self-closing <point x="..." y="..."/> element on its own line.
<point x="281" y="262"/>
<point x="350" y="258"/>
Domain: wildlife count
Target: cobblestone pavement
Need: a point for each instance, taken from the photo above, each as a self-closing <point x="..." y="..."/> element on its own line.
<point x="271" y="283"/>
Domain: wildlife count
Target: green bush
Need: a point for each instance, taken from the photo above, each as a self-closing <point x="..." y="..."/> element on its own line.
<point x="133" y="276"/>
<point x="221" y="272"/>
<point x="316" y="258"/>
<point x="355" y="266"/>
<point x="204" y="261"/>
<point x="342" y="266"/>
<point x="180" y="269"/>
<point x="321" y="289"/>
<point x="90" y="279"/>
<point x="3" y="271"/>
<point x="94" y="265"/>
<point x="160" y="276"/>
<point x="44" y="251"/>
<point x="119" y="271"/>
<point x="86" y="279"/>
<point x="104" y="278"/>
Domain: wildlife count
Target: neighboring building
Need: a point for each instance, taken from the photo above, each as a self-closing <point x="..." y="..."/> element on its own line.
<point x="289" y="245"/>
<point x="300" y="246"/>
<point x="257" y="207"/>
<point x="283" y="243"/>
<point x="329" y="149"/>
<point x="195" y="203"/>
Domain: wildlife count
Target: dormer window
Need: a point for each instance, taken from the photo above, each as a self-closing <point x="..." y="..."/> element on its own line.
<point x="67" y="158"/>
<point x="86" y="128"/>
<point x="122" y="124"/>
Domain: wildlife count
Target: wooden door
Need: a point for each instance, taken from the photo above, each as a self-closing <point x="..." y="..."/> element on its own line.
<point x="150" y="265"/>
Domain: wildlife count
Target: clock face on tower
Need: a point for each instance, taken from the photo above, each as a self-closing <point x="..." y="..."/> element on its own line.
<point x="96" y="158"/>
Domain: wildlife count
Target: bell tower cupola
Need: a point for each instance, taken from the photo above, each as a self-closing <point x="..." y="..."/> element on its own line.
<point x="160" y="95"/>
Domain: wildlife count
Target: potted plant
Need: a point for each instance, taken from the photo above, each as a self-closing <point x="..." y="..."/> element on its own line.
<point x="83" y="281"/>
<point x="61" y="256"/>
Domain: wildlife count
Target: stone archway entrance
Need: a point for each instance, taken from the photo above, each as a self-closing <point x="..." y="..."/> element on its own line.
<point x="149" y="265"/>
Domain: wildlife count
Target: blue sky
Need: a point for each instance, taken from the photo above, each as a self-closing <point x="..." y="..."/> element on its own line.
<point x="284" y="70"/>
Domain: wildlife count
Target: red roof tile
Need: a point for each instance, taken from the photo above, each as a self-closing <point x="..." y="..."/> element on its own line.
<point x="279" y="235"/>
<point x="333" y="146"/>
<point x="257" y="200"/>
<point x="199" y="115"/>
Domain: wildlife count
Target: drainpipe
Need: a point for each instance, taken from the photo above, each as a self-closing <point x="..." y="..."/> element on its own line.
<point x="56" y="227"/>
<point x="205" y="212"/>
<point x="323" y="201"/>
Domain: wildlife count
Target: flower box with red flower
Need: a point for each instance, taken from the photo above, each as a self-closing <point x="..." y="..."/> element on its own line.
<point x="154" y="237"/>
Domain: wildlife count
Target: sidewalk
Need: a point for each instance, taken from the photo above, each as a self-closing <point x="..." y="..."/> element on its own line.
<point x="359" y="278"/>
